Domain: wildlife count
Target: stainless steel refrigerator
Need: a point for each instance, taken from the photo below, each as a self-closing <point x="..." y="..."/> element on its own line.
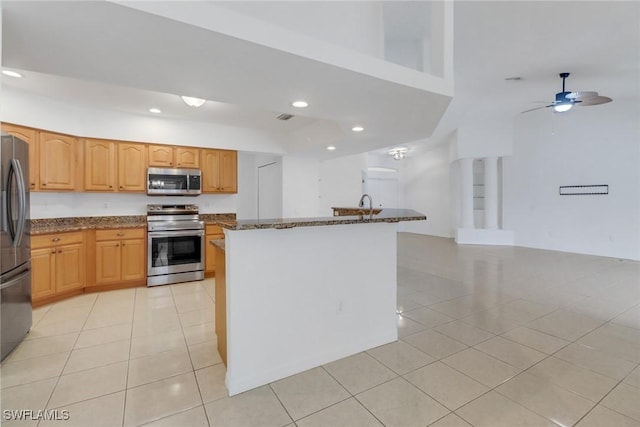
<point x="15" y="264"/>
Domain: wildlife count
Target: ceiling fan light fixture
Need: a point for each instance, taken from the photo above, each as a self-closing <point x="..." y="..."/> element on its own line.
<point x="398" y="152"/>
<point x="561" y="108"/>
<point x="193" y="102"/>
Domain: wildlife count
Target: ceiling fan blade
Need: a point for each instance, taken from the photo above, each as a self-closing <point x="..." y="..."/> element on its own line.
<point x="581" y="95"/>
<point x="537" y="108"/>
<point x="595" y="100"/>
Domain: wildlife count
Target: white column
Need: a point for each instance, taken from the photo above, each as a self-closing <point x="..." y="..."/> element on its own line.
<point x="491" y="193"/>
<point x="466" y="181"/>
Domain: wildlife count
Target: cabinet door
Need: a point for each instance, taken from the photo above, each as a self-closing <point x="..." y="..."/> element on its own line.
<point x="42" y="273"/>
<point x="134" y="264"/>
<point x="69" y="267"/>
<point x="132" y="171"/>
<point x="210" y="165"/>
<point x="30" y="137"/>
<point x="229" y="171"/>
<point x="108" y="255"/>
<point x="187" y="157"/>
<point x="57" y="161"/>
<point x="161" y="156"/>
<point x="100" y="165"/>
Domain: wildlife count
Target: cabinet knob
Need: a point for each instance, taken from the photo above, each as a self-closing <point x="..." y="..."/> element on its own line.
<point x="117" y="244"/>
<point x="111" y="186"/>
<point x="60" y="251"/>
<point x="53" y="251"/>
<point x="121" y="187"/>
<point x="43" y="184"/>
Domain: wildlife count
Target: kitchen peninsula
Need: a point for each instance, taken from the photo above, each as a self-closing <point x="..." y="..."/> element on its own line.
<point x="302" y="292"/>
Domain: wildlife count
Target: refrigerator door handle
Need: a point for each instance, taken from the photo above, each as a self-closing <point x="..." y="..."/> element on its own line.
<point x="22" y="201"/>
<point x="15" y="280"/>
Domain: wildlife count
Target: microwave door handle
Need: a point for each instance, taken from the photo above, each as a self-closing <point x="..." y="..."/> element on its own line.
<point x="22" y="201"/>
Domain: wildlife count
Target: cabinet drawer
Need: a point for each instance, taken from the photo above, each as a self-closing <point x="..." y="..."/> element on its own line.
<point x="213" y="229"/>
<point x="48" y="240"/>
<point x="119" y="234"/>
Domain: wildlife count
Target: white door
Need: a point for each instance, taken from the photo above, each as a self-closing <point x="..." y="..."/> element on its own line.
<point x="383" y="187"/>
<point x="270" y="190"/>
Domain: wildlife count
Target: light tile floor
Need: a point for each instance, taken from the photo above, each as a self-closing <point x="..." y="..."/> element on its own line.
<point x="490" y="336"/>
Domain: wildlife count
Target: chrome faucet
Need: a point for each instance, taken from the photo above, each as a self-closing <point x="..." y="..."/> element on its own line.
<point x="361" y="204"/>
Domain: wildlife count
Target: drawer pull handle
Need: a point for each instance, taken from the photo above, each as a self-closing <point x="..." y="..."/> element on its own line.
<point x="120" y="233"/>
<point x="55" y="239"/>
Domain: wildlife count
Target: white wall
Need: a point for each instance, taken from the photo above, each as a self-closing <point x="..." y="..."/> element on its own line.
<point x="590" y="145"/>
<point x="354" y="25"/>
<point x="60" y="205"/>
<point x="427" y="189"/>
<point x="26" y="109"/>
<point x="341" y="182"/>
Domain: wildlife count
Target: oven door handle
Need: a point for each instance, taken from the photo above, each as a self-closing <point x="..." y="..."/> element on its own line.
<point x="179" y="233"/>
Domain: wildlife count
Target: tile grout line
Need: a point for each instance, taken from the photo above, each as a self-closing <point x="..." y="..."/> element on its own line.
<point x="53" y="390"/>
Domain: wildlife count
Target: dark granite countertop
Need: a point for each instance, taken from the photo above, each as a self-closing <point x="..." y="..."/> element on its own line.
<point x="386" y="215"/>
<point x="61" y="225"/>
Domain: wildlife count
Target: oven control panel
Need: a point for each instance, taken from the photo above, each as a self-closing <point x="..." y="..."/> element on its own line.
<point x="172" y="209"/>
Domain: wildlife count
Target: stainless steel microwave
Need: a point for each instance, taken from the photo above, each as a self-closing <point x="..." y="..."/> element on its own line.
<point x="174" y="182"/>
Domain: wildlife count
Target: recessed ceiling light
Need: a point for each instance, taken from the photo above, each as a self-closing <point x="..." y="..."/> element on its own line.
<point x="300" y="104"/>
<point x="155" y="110"/>
<point x="357" y="128"/>
<point x="193" y="102"/>
<point x="11" y="73"/>
<point x="331" y="148"/>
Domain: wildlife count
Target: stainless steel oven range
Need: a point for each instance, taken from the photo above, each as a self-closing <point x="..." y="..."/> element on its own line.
<point x="175" y="244"/>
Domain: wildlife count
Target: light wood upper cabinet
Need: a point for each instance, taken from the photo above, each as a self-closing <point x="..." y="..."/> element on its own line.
<point x="100" y="165"/>
<point x="229" y="171"/>
<point x="30" y="136"/>
<point x="187" y="157"/>
<point x="58" y="165"/>
<point x="132" y="170"/>
<point x="219" y="171"/>
<point x="168" y="156"/>
<point x="161" y="156"/>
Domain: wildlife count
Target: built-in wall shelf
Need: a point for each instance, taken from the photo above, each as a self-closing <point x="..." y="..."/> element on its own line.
<point x="583" y="190"/>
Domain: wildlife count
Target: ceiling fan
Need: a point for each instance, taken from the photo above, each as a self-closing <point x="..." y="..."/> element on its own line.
<point x="566" y="100"/>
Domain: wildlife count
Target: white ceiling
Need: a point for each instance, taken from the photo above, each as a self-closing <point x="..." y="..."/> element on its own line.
<point x="95" y="54"/>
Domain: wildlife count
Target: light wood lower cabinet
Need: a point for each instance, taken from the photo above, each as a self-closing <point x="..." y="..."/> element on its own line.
<point x="58" y="266"/>
<point x="120" y="256"/>
<point x="211" y="232"/>
<point x="221" y="303"/>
